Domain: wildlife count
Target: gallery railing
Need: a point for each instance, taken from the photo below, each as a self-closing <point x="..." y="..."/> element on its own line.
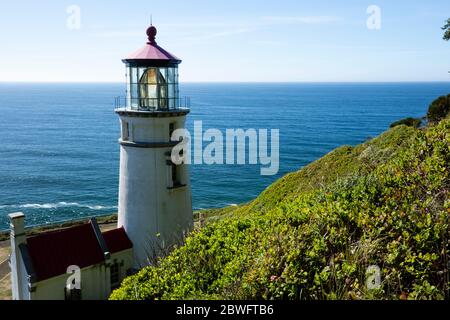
<point x="152" y="104"/>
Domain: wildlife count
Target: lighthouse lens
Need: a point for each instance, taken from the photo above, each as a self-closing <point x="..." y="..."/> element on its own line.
<point x="153" y="88"/>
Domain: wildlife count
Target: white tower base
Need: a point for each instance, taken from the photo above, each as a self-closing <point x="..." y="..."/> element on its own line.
<point x="155" y="205"/>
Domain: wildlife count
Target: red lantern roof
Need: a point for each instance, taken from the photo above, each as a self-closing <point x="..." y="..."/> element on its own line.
<point x="151" y="54"/>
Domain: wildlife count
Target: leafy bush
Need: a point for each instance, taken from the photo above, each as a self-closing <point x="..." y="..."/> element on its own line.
<point x="410" y="122"/>
<point x="439" y="109"/>
<point x="311" y="236"/>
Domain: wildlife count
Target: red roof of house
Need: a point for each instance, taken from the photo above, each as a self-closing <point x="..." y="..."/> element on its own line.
<point x="53" y="252"/>
<point x="117" y="240"/>
<point x="152" y="51"/>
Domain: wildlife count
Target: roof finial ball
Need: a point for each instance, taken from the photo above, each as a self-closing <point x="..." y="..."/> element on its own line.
<point x="151" y="33"/>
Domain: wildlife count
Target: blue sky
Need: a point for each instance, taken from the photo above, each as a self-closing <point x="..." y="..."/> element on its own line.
<point x="230" y="40"/>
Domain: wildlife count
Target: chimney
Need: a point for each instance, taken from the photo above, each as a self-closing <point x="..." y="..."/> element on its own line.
<point x="18" y="237"/>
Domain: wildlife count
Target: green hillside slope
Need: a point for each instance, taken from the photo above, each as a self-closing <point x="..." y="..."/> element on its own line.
<point x="314" y="233"/>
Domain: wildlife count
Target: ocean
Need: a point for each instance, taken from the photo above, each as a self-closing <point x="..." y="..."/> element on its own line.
<point x="59" y="156"/>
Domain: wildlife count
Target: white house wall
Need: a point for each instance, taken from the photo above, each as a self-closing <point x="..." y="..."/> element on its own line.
<point x="24" y="289"/>
<point x="95" y="280"/>
<point x="94" y="285"/>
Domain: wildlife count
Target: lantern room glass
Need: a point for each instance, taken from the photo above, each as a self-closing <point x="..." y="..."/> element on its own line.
<point x="152" y="88"/>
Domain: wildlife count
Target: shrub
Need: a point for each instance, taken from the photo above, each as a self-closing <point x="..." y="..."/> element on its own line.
<point x="318" y="242"/>
<point x="439" y="109"/>
<point x="410" y="122"/>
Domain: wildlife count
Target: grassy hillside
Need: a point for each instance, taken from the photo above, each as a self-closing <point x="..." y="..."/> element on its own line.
<point x="313" y="233"/>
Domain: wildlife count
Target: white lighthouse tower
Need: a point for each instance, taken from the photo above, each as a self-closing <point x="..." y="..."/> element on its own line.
<point x="155" y="205"/>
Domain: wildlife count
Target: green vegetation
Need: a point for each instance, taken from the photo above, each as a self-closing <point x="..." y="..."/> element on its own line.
<point x="410" y="122"/>
<point x="446" y="29"/>
<point x="439" y="109"/>
<point x="313" y="233"/>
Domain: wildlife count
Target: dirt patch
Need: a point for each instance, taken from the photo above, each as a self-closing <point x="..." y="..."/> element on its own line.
<point x="4" y="252"/>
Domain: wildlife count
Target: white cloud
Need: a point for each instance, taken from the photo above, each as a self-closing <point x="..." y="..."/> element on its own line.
<point x="221" y="29"/>
<point x="120" y="34"/>
<point x="302" y="19"/>
<point x="267" y="42"/>
<point x="195" y="25"/>
<point x="221" y="34"/>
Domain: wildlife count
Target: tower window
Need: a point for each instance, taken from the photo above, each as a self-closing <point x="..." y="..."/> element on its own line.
<point x="171" y="129"/>
<point x="175" y="178"/>
<point x="174" y="173"/>
<point x="125" y="131"/>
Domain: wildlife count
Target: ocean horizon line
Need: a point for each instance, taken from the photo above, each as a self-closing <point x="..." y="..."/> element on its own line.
<point x="238" y="82"/>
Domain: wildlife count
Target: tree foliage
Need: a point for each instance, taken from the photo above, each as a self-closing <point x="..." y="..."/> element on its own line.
<point x="439" y="109"/>
<point x="446" y="29"/>
<point x="410" y="122"/>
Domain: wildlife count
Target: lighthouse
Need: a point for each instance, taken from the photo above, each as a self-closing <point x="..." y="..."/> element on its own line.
<point x="155" y="206"/>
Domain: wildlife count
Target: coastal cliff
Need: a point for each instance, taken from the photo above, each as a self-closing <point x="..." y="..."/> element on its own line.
<point x="314" y="233"/>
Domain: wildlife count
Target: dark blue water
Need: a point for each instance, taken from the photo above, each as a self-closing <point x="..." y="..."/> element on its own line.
<point x="59" y="155"/>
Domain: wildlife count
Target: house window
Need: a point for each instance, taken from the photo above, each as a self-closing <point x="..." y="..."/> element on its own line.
<point x="72" y="294"/>
<point x="114" y="271"/>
